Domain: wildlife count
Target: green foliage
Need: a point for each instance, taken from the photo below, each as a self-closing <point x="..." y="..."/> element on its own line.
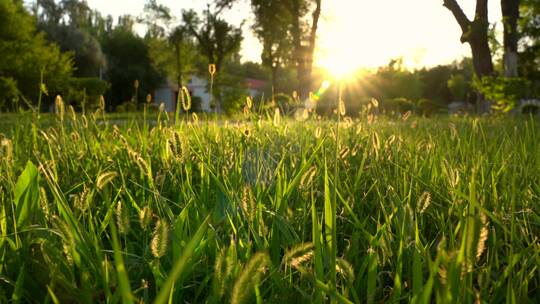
<point x="8" y="93"/>
<point x="458" y="86"/>
<point x="26" y="195"/>
<point x="504" y="92"/>
<point x="273" y="215"/>
<point x="398" y="105"/>
<point x="26" y="55"/>
<point x="529" y="28"/>
<point x="233" y="92"/>
<point x="86" y="92"/>
<point x="129" y="60"/>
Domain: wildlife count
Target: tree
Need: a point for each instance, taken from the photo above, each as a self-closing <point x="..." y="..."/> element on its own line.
<point x="74" y="27"/>
<point x="172" y="49"/>
<point x="271" y="28"/>
<point x="510" y="13"/>
<point x="27" y="57"/>
<point x="303" y="23"/>
<point x="217" y="40"/>
<point x="529" y="28"/>
<point x="183" y="51"/>
<point x="304" y="41"/>
<point x="475" y="33"/>
<point x="128" y="62"/>
<point x="157" y="18"/>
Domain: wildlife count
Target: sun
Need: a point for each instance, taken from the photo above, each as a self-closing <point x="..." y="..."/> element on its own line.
<point x="338" y="64"/>
<point x="338" y="52"/>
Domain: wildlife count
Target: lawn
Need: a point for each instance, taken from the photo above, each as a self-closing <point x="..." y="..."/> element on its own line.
<point x="381" y="209"/>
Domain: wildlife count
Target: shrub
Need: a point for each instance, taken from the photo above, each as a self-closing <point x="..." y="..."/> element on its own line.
<point x="458" y="86"/>
<point x="8" y="91"/>
<point x="84" y="93"/>
<point x="505" y="92"/>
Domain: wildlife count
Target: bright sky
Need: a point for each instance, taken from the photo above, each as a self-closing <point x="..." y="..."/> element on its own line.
<point x="356" y="33"/>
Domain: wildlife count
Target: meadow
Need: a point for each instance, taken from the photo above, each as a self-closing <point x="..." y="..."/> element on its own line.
<point x="269" y="210"/>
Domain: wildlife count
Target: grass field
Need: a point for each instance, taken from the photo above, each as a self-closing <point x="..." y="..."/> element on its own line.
<point x="270" y="211"/>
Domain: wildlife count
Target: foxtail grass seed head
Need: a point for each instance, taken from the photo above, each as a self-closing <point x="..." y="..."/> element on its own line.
<point x="308" y="176"/>
<point x="298" y="255"/>
<point x="195" y="118"/>
<point x="148" y="98"/>
<point x="249" y="102"/>
<point x="122" y="217"/>
<point x="484" y="231"/>
<point x="84" y="121"/>
<point x="295" y="95"/>
<point x="220" y="278"/>
<point x="406" y="115"/>
<point x="246" y="131"/>
<point x="348" y="122"/>
<point x="249" y="276"/>
<point x="44" y="202"/>
<point x="375" y="102"/>
<point x="376" y="143"/>
<point x="72" y="113"/>
<point x="7" y="149"/>
<point x="160" y="239"/>
<point x="162" y="107"/>
<point x="105" y="178"/>
<point x="342" y="109"/>
<point x="145" y="217"/>
<point x="82" y="201"/>
<point x="212" y="69"/>
<point x="423" y="202"/>
<point x="186" y="99"/>
<point x="344" y="152"/>
<point x="136" y="84"/>
<point x="178" y="146"/>
<point x="60" y="107"/>
<point x="277" y="117"/>
<point x="144" y="167"/>
<point x="102" y="103"/>
<point x="318" y="132"/>
<point x="345" y="269"/>
<point x="248" y="203"/>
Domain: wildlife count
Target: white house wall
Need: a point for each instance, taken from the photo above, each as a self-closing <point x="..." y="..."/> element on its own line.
<point x="197" y="87"/>
<point x="167" y="96"/>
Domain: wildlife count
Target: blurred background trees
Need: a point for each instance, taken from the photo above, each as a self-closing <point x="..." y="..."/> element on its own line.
<point x="79" y="53"/>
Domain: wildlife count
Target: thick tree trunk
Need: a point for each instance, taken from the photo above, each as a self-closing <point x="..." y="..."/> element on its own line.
<point x="510" y="12"/>
<point x="475" y="33"/>
<point x="481" y="53"/>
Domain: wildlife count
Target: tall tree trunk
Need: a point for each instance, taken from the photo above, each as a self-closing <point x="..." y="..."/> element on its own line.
<point x="304" y="54"/>
<point x="510" y="13"/>
<point x="475" y="33"/>
<point x="274" y="79"/>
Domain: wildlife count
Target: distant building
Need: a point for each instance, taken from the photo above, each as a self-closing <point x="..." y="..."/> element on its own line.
<point x="166" y="93"/>
<point x="198" y="87"/>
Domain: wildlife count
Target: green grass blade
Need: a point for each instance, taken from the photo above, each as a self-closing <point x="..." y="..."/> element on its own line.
<point x="181" y="263"/>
